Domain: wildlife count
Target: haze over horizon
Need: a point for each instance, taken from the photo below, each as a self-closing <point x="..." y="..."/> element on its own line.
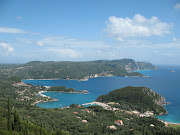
<point x="90" y="30"/>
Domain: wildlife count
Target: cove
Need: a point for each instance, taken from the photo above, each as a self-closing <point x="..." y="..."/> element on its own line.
<point x="162" y="81"/>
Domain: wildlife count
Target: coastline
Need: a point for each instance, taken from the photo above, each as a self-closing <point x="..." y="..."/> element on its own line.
<point x="75" y="92"/>
<point x="97" y="103"/>
<point x="86" y="79"/>
<point x="105" y="105"/>
<point x="49" y="99"/>
<point x="166" y="122"/>
<point x="42" y="95"/>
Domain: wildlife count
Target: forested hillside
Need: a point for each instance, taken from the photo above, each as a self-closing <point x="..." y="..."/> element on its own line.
<point x="136" y="98"/>
<point x="75" y="70"/>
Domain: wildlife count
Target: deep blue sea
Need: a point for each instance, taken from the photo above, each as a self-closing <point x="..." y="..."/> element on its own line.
<point x="162" y="81"/>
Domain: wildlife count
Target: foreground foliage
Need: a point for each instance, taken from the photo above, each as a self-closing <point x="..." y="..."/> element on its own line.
<point x="21" y="118"/>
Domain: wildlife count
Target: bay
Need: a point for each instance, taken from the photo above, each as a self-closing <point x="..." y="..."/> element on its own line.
<point x="162" y="81"/>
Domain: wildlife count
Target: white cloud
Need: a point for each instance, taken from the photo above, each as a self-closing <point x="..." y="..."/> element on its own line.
<point x="138" y="26"/>
<point x="27" y="41"/>
<point x="6" y="49"/>
<point x="66" y="53"/>
<point x="174" y="39"/>
<point x="11" y="30"/>
<point x="60" y="41"/>
<point x="19" y="17"/>
<point x="40" y="43"/>
<point x="58" y="48"/>
<point x="177" y="6"/>
<point x="54" y="40"/>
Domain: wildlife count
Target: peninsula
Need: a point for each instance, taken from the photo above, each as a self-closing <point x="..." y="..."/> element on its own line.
<point x="63" y="89"/>
<point x="130" y="98"/>
<point x="75" y="70"/>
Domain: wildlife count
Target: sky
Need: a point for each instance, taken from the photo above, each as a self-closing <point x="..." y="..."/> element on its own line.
<point x="86" y="30"/>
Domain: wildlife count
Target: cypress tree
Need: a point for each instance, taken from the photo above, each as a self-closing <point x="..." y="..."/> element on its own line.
<point x="40" y="131"/>
<point x="26" y="129"/>
<point x="16" y="122"/>
<point x="9" y="124"/>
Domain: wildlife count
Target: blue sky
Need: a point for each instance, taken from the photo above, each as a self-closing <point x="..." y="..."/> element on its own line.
<point x="83" y="30"/>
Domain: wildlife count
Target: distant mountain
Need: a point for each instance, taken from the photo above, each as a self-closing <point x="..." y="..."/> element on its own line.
<point x="77" y="70"/>
<point x="136" y="98"/>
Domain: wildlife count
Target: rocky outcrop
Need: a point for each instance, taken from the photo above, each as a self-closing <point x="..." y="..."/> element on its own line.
<point x="158" y="99"/>
<point x="134" y="66"/>
<point x="102" y="74"/>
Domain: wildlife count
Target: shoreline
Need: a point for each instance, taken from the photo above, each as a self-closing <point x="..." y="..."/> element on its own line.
<point x="96" y="103"/>
<point x="82" y="79"/>
<point x="166" y="122"/>
<point x="40" y="93"/>
<point x="105" y="105"/>
<point x="42" y="101"/>
<point x="86" y="78"/>
<point x="69" y="92"/>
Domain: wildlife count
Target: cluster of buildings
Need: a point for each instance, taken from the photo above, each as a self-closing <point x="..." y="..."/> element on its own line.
<point x="145" y="114"/>
<point x="117" y="122"/>
<point x="19" y="84"/>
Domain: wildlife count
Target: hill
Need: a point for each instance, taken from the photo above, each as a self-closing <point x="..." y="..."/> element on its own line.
<point x="136" y="98"/>
<point x="76" y="70"/>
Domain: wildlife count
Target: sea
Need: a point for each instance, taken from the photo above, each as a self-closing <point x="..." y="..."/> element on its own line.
<point x="164" y="81"/>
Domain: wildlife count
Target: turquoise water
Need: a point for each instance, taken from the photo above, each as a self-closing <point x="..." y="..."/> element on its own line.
<point x="161" y="81"/>
<point x="66" y="99"/>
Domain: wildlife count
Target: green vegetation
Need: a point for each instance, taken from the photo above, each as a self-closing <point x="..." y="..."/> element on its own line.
<point x="75" y="70"/>
<point x="27" y="119"/>
<point x="61" y="89"/>
<point x="66" y="90"/>
<point x="135" y="98"/>
<point x="11" y="124"/>
<point x="174" y="126"/>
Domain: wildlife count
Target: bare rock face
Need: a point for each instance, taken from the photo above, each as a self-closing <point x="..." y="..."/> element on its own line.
<point x="84" y="91"/>
<point x="133" y="66"/>
<point x="158" y="99"/>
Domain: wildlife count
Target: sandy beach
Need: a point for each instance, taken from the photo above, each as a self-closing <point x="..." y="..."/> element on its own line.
<point x="42" y="95"/>
<point x="165" y="122"/>
<point x="97" y="103"/>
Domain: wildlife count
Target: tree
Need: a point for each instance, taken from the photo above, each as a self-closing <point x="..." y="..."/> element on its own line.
<point x="9" y="124"/>
<point x="16" y="122"/>
<point x="61" y="132"/>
